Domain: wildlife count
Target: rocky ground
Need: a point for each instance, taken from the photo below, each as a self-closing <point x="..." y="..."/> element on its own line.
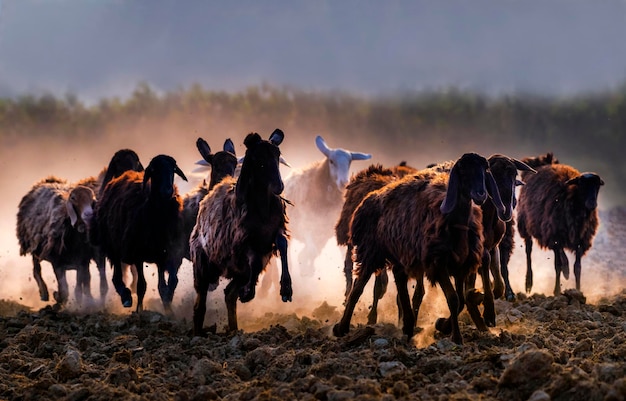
<point x="543" y="348"/>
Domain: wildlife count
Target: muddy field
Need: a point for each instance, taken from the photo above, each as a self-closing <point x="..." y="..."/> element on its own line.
<point x="571" y="347"/>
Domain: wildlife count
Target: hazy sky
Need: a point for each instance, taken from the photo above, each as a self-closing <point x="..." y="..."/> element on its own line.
<point x="97" y="48"/>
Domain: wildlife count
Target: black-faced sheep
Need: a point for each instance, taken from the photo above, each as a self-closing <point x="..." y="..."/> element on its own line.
<point x="504" y="171"/>
<point x="241" y="224"/>
<point x="223" y="164"/>
<point x="423" y="227"/>
<point x="365" y="181"/>
<point x="53" y="225"/>
<point x="139" y="219"/>
<point x="507" y="243"/>
<point x="558" y="207"/>
<point x="318" y="190"/>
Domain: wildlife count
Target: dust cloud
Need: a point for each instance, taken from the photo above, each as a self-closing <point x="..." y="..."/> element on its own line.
<point x="24" y="162"/>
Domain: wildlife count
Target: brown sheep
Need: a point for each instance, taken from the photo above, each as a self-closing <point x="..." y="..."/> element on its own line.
<point x="423" y="227"/>
<point x="139" y="219"/>
<point x="241" y="224"/>
<point x="370" y="179"/>
<point x="558" y="207"/>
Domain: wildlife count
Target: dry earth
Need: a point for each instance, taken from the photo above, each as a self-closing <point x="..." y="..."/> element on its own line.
<point x="543" y="348"/>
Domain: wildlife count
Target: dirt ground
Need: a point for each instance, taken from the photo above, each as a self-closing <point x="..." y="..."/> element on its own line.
<point x="543" y="348"/>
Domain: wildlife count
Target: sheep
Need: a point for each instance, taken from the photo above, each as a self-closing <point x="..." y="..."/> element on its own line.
<point x="372" y="178"/>
<point x="558" y="208"/>
<point x="508" y="242"/>
<point x="223" y="164"/>
<point x="241" y="224"/>
<point x="53" y="224"/>
<point x="504" y="171"/>
<point x="139" y="219"/>
<point x="423" y="226"/>
<point x="317" y="190"/>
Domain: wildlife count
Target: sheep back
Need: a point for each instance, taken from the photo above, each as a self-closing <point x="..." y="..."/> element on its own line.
<point x="548" y="210"/>
<point x="402" y="222"/>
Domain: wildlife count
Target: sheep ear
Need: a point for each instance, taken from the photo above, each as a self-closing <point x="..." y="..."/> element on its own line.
<point x="360" y="156"/>
<point x="573" y="181"/>
<point x="523" y="166"/>
<point x="229" y="146"/>
<point x="147" y="174"/>
<point x="277" y="137"/>
<point x="321" y="145"/>
<point x="205" y="150"/>
<point x="178" y="171"/>
<point x="71" y="212"/>
<point x="492" y="188"/>
<point x="449" y="202"/>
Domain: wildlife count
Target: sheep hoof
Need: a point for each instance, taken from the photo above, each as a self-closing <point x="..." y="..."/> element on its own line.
<point x="443" y="325"/>
<point x="44" y="297"/>
<point x="247" y="294"/>
<point x="127" y="299"/>
<point x="338" y="331"/>
<point x="286" y="298"/>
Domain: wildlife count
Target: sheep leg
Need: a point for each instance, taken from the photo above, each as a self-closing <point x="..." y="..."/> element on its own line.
<point x="141" y="285"/>
<point x="347" y="270"/>
<point x="446" y="325"/>
<point x="489" y="312"/>
<point x="380" y="288"/>
<point x="496" y="272"/>
<point x="247" y="292"/>
<point x="167" y="289"/>
<point x="120" y="287"/>
<point x="269" y="277"/>
<point x="62" y="295"/>
<point x="104" y="285"/>
<point x="504" y="270"/>
<point x="231" y="293"/>
<point x="577" y="266"/>
<point x="402" y="280"/>
<point x="343" y="327"/>
<point x="529" y="267"/>
<point x="43" y="288"/>
<point x="83" y="283"/>
<point x="418" y="296"/>
<point x="564" y="263"/>
<point x="452" y="298"/>
<point x="199" y="306"/>
<point x="286" y="291"/>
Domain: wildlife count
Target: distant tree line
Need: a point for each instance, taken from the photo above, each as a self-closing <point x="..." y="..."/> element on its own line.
<point x="592" y="125"/>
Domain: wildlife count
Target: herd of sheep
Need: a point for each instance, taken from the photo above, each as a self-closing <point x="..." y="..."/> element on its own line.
<point x="447" y="223"/>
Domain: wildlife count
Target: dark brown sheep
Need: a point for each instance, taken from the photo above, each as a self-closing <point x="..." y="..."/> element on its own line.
<point x="423" y="227"/>
<point x="139" y="219"/>
<point x="370" y="179"/>
<point x="241" y="224"/>
<point x="558" y="207"/>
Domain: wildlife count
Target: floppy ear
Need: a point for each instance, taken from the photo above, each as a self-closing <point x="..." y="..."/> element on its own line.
<point x="449" y="202"/>
<point x="277" y="137"/>
<point x="360" y="156"/>
<point x="147" y="174"/>
<point x="229" y="146"/>
<point x="573" y="181"/>
<point x="522" y="166"/>
<point x="180" y="173"/>
<point x="205" y="150"/>
<point x="321" y="145"/>
<point x="71" y="212"/>
<point x="492" y="188"/>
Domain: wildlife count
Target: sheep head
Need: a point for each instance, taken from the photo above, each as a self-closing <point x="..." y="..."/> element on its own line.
<point x="339" y="161"/>
<point x="260" y="168"/>
<point x="504" y="171"/>
<point x="586" y="186"/>
<point x="160" y="172"/>
<point x="470" y="176"/>
<point x="79" y="206"/>
<point x="223" y="163"/>
<point x="123" y="160"/>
